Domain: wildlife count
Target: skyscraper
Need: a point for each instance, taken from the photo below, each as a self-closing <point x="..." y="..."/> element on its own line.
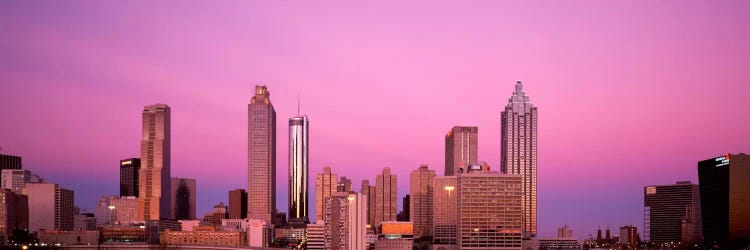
<point x="357" y="221"/>
<point x="422" y="190"/>
<point x="386" y="189"/>
<point x="446" y="207"/>
<point x="154" y="191"/>
<point x="299" y="151"/>
<point x="129" y="169"/>
<point x="237" y="204"/>
<point x="460" y="148"/>
<point x="15" y="179"/>
<point x="325" y="187"/>
<point x="10" y="162"/>
<point x="671" y="211"/>
<point x="371" y="193"/>
<point x="518" y="151"/>
<point x="183" y="198"/>
<point x="489" y="210"/>
<point x="724" y="184"/>
<point x="261" y="157"/>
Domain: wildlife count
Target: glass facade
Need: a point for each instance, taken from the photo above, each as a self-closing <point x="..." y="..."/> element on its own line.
<point x="299" y="151"/>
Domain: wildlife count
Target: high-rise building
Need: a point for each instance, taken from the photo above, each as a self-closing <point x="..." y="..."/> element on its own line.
<point x="261" y="157"/>
<point x="518" y="151"/>
<point x="344" y="185"/>
<point x="129" y="169"/>
<point x="629" y="236"/>
<point x="346" y="221"/>
<point x="299" y="157"/>
<point x="669" y="208"/>
<point x="489" y="209"/>
<point x="14" y="213"/>
<point x="724" y="184"/>
<point x="357" y="221"/>
<point x="460" y="148"/>
<point x="564" y="232"/>
<point x="183" y="198"/>
<point x="386" y="189"/>
<point x="219" y="213"/>
<point x="237" y="204"/>
<point x="422" y="191"/>
<point x="15" y="179"/>
<point x="325" y="186"/>
<point x="50" y="207"/>
<point x="154" y="191"/>
<point x="371" y="192"/>
<point x="445" y="218"/>
<point x="10" y="162"/>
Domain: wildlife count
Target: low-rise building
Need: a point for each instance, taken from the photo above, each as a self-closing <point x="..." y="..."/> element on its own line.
<point x="53" y="237"/>
<point x="123" y="233"/>
<point x="316" y="235"/>
<point x="204" y="236"/>
<point x="395" y="236"/>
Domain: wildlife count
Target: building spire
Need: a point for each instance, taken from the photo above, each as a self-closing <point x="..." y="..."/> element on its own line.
<point x="297" y="104"/>
<point x="519" y="86"/>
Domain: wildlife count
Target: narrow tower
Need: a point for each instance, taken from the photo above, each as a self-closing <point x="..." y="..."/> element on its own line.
<point x="518" y="155"/>
<point x="299" y="127"/>
<point x="261" y="156"/>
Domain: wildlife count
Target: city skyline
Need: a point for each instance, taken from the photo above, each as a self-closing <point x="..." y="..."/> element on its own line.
<point x="617" y="113"/>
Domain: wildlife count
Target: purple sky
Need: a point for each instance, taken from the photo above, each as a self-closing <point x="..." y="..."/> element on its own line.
<point x="629" y="93"/>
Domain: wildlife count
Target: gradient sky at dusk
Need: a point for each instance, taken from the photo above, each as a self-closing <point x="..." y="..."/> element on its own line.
<point x="629" y="93"/>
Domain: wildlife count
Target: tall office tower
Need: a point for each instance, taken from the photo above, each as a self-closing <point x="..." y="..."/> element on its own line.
<point x="237" y="204"/>
<point x="183" y="198"/>
<point x="371" y="193"/>
<point x="10" y="162"/>
<point x="15" y="179"/>
<point x="489" y="210"/>
<point x="14" y="213"/>
<point x="50" y="207"/>
<point x="422" y="191"/>
<point x="725" y="200"/>
<point x="154" y="191"/>
<point x="325" y="186"/>
<point x="629" y="236"/>
<point x="446" y="207"/>
<point x="669" y="208"/>
<point x="518" y="152"/>
<point x="460" y="148"/>
<point x="129" y="169"/>
<point x="299" y="157"/>
<point x="335" y="222"/>
<point x="261" y="157"/>
<point x="564" y="232"/>
<point x="386" y="191"/>
<point x="344" y="185"/>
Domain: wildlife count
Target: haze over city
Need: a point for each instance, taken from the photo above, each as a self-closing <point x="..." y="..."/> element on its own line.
<point x="629" y="93"/>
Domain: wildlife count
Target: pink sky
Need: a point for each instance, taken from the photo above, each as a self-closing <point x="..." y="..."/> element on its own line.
<point x="629" y="93"/>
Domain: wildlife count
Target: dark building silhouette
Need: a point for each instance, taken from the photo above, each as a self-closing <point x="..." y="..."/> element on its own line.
<point x="724" y="184"/>
<point x="10" y="162"/>
<point x="183" y="198"/>
<point x="237" y="204"/>
<point x="129" y="176"/>
<point x="404" y="214"/>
